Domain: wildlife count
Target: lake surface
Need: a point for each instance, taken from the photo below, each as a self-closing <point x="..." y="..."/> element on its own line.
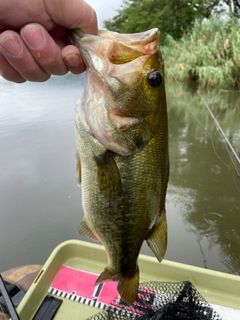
<point x="40" y="203"/>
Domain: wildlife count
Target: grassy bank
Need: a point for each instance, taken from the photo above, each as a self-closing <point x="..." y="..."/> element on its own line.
<point x="210" y="54"/>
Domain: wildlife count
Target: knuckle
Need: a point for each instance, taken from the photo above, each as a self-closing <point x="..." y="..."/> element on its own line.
<point x="37" y="76"/>
<point x="44" y="78"/>
<point x="12" y="75"/>
<point x="53" y="66"/>
<point x="48" y="62"/>
<point x="19" y="80"/>
<point x="9" y="73"/>
<point x="34" y="73"/>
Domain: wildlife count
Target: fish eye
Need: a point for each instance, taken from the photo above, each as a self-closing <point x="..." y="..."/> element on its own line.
<point x="155" y="79"/>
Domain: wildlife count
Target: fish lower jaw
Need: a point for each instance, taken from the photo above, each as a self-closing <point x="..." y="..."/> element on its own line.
<point x="124" y="122"/>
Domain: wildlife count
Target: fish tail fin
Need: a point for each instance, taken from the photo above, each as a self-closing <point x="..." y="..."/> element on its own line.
<point x="157" y="240"/>
<point x="127" y="285"/>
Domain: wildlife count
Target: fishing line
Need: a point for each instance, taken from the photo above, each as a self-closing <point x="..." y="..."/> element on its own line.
<point x="222" y="134"/>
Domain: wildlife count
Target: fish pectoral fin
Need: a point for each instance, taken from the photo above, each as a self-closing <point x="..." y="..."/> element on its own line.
<point x="127" y="285"/>
<point x="157" y="240"/>
<point x="108" y="175"/>
<point x="78" y="169"/>
<point x="84" y="230"/>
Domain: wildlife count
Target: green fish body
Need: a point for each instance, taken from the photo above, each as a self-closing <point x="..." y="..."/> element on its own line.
<point x="122" y="150"/>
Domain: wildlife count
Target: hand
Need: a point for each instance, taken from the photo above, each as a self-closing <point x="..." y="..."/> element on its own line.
<point x="33" y="41"/>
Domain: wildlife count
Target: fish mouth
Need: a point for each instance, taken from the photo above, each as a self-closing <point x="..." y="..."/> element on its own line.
<point x="141" y="38"/>
<point x="116" y="49"/>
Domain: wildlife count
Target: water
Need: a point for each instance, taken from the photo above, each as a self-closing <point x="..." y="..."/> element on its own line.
<point x="40" y="203"/>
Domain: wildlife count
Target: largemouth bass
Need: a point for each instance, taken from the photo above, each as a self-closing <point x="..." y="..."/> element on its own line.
<point x="122" y="150"/>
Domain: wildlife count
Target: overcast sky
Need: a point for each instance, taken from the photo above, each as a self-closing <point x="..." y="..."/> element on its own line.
<point x="104" y="9"/>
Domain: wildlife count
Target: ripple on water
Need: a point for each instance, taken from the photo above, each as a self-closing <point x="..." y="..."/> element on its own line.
<point x="212" y="217"/>
<point x="182" y="197"/>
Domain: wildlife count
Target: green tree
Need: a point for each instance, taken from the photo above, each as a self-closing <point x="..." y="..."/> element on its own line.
<point x="234" y="7"/>
<point x="172" y="17"/>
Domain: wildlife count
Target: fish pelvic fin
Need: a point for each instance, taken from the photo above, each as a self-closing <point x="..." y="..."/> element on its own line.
<point x="84" y="230"/>
<point x="108" y="175"/>
<point x="157" y="240"/>
<point x="78" y="169"/>
<point x="127" y="285"/>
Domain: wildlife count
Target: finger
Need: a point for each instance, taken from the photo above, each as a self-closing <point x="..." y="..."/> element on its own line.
<point x="19" y="57"/>
<point x="73" y="59"/>
<point x="8" y="72"/>
<point x="77" y="15"/>
<point x="44" y="49"/>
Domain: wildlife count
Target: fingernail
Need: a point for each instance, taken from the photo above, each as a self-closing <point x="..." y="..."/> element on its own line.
<point x="33" y="36"/>
<point x="12" y="46"/>
<point x="73" y="60"/>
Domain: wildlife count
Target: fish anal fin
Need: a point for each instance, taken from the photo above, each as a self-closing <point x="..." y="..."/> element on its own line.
<point x="157" y="240"/>
<point x="108" y="175"/>
<point x="78" y="169"/>
<point x="84" y="230"/>
<point x="128" y="287"/>
<point x="105" y="275"/>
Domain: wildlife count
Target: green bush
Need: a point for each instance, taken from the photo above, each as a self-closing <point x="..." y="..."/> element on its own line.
<point x="210" y="54"/>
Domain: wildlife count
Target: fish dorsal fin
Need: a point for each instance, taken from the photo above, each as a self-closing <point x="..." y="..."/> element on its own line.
<point x="108" y="175"/>
<point x="78" y="169"/>
<point x="84" y="230"/>
<point x="157" y="240"/>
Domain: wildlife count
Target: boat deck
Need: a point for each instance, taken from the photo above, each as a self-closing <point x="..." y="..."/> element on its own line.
<point x="221" y="290"/>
